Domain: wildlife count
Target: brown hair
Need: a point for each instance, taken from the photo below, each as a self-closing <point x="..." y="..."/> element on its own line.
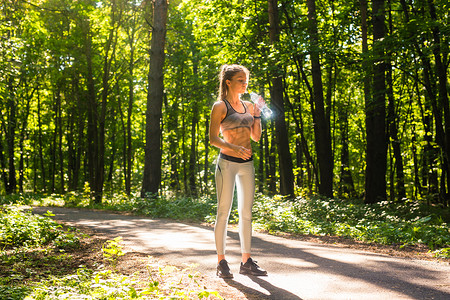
<point x="226" y="73"/>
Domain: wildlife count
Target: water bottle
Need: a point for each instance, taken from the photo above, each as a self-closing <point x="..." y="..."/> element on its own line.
<point x="259" y="102"/>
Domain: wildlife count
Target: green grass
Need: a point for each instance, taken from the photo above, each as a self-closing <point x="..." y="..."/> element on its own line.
<point x="37" y="261"/>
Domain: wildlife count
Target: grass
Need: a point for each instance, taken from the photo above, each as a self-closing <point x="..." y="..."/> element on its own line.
<point x="40" y="259"/>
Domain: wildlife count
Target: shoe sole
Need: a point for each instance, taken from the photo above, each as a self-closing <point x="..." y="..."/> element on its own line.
<point x="224" y="276"/>
<point x="245" y="272"/>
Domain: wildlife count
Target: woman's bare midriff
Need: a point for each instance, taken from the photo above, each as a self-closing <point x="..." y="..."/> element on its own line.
<point x="239" y="137"/>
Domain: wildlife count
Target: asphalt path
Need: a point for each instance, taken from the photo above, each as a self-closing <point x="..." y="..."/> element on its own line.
<point x="297" y="269"/>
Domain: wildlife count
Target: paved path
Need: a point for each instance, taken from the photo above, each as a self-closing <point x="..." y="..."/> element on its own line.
<point x="297" y="269"/>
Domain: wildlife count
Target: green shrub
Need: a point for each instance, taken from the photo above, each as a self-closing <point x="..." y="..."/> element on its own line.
<point x="19" y="227"/>
<point x="384" y="222"/>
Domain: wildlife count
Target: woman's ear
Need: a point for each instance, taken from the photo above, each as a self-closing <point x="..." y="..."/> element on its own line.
<point x="228" y="82"/>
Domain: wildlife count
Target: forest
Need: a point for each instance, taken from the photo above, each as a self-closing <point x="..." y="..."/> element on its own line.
<point x="115" y="96"/>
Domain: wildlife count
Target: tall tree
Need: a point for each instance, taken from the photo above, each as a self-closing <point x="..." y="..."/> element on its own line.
<point x="321" y="123"/>
<point x="152" y="168"/>
<point x="281" y="134"/>
<point x="392" y="123"/>
<point x="443" y="105"/>
<point x="376" y="151"/>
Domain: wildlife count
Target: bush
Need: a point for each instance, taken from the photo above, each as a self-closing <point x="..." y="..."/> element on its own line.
<point x="20" y="228"/>
<point x="405" y="223"/>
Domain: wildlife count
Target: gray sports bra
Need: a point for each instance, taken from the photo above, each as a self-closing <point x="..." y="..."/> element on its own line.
<point x="234" y="119"/>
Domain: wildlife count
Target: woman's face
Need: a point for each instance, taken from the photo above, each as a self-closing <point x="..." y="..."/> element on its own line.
<point x="238" y="83"/>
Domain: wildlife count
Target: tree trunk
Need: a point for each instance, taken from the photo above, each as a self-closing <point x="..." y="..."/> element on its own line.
<point x="195" y="119"/>
<point x="41" y="146"/>
<point x="129" y="145"/>
<point x="321" y="124"/>
<point x="152" y="167"/>
<point x="74" y="140"/>
<point x="3" y="174"/>
<point x="376" y="153"/>
<point x="271" y="163"/>
<point x="107" y="59"/>
<point x="430" y="156"/>
<point x="310" y="162"/>
<point x="206" y="164"/>
<point x="10" y="137"/>
<point x="60" y="145"/>
<point x="193" y="154"/>
<point x="92" y="114"/>
<point x="393" y="126"/>
<point x="346" y="185"/>
<point x="267" y="158"/>
<point x="393" y="133"/>
<point x="53" y="159"/>
<point x="172" y="126"/>
<point x="23" y="133"/>
<point x="441" y="73"/>
<point x="281" y="134"/>
<point x="80" y="147"/>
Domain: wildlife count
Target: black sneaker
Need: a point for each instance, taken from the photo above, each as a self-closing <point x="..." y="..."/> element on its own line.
<point x="251" y="268"/>
<point x="223" y="270"/>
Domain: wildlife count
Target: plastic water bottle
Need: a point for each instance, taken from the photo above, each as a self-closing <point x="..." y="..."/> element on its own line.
<point x="259" y="102"/>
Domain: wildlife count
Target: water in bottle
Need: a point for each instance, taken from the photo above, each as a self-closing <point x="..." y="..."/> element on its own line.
<point x="259" y="102"/>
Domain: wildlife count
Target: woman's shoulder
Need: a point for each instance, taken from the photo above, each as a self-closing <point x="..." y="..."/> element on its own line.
<point x="219" y="105"/>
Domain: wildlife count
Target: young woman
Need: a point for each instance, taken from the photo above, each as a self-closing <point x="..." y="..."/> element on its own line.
<point x="238" y="122"/>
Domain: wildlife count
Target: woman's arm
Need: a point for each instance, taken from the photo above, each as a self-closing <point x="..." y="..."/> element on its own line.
<point x="256" y="127"/>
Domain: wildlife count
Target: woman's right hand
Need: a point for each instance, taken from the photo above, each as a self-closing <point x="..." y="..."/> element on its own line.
<point x="242" y="152"/>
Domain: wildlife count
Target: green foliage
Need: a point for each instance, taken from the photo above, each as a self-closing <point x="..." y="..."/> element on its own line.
<point x="405" y="223"/>
<point x="102" y="284"/>
<point x="27" y="243"/>
<point x="112" y="250"/>
<point x="13" y="292"/>
<point x="85" y="283"/>
<point x="179" y="208"/>
<point x="442" y="253"/>
<point x="106" y="284"/>
<point x="19" y="227"/>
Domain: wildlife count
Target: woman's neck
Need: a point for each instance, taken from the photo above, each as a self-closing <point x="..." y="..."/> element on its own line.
<point x="233" y="98"/>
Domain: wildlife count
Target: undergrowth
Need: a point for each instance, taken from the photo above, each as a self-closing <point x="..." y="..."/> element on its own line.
<point x="406" y="223"/>
<point x="37" y="263"/>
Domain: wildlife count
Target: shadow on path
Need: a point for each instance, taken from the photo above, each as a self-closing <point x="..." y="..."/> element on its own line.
<point x="385" y="272"/>
<point x="273" y="291"/>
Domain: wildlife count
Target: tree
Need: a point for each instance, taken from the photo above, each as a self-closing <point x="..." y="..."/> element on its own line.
<point x="392" y="124"/>
<point x="321" y="124"/>
<point x="284" y="155"/>
<point x="152" y="168"/>
<point x="376" y="156"/>
<point x="443" y="105"/>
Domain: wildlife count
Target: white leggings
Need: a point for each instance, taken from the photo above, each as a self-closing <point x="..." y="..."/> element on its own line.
<point x="227" y="174"/>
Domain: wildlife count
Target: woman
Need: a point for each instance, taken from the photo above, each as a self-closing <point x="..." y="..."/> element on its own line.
<point x="238" y="121"/>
